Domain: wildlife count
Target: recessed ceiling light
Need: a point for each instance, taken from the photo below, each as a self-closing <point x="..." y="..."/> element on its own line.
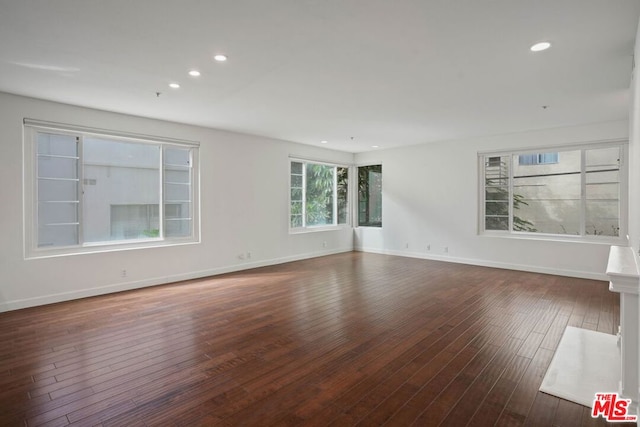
<point x="220" y="58"/>
<point x="540" y="46"/>
<point x="174" y="85"/>
<point x="194" y="73"/>
<point x="375" y="146"/>
<point x="323" y="142"/>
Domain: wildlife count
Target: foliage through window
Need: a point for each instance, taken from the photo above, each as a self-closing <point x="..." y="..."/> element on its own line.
<point x="575" y="192"/>
<point x="370" y="196"/>
<point x="319" y="194"/>
<point x="94" y="189"/>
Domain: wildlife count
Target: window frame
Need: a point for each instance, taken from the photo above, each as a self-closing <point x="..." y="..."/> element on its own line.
<point x="357" y="196"/>
<point x="31" y="129"/>
<point x="622" y="144"/>
<point x="324" y="227"/>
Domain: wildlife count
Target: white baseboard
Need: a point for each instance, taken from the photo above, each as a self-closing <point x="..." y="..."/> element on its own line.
<point x="485" y="263"/>
<point x="154" y="281"/>
<point x="126" y="286"/>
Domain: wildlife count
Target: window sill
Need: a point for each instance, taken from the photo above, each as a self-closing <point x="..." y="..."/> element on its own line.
<point x="103" y="248"/>
<point x="319" y="228"/>
<point x="608" y="241"/>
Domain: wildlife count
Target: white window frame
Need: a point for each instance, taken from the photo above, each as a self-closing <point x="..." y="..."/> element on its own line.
<point x="31" y="129"/>
<point x="313" y="228"/>
<point x="510" y="233"/>
<point x="356" y="202"/>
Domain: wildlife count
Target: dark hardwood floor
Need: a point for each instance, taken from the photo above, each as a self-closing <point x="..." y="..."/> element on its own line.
<point x="348" y="339"/>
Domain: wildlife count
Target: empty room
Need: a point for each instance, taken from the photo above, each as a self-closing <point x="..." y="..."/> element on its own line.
<point x="306" y="213"/>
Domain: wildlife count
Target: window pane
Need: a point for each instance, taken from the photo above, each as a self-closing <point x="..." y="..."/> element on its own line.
<point x="496" y="223"/>
<point x="134" y="221"/>
<point x="177" y="227"/>
<point x="124" y="202"/>
<point x="496" y="207"/>
<point x="370" y="196"/>
<point x="343" y="195"/>
<point x="177" y="157"/>
<point x="547" y="197"/>
<point x="57" y="145"/>
<point x="296" y="168"/>
<point x="177" y="210"/>
<point x="57" y="235"/>
<point x="319" y="194"/>
<point x="178" y="176"/>
<point x="57" y="167"/>
<point x="57" y="190"/>
<point x="297" y="195"/>
<point x="602" y="167"/>
<point x="177" y="192"/>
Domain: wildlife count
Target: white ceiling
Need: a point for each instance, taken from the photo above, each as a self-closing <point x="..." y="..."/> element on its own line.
<point x="384" y="72"/>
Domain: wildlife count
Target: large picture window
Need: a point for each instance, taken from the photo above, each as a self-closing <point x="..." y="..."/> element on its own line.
<point x="93" y="189"/>
<point x="572" y="192"/>
<point x="318" y="195"/>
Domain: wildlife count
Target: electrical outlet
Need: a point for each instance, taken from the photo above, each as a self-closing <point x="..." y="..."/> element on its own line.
<point x="324" y="244"/>
<point x="428" y="247"/>
<point x="248" y="255"/>
<point x="406" y="245"/>
<point x="446" y="249"/>
<point x="123" y="273"/>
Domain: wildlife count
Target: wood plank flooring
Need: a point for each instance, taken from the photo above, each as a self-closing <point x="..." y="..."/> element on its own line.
<point x="348" y="339"/>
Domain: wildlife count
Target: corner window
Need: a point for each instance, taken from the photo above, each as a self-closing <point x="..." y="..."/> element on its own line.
<point x="576" y="192"/>
<point x="370" y="196"/>
<point x="318" y="195"/>
<point x="94" y="189"/>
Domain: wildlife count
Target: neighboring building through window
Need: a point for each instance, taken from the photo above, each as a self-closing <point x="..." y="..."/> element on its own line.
<point x="537" y="159"/>
<point x="370" y="196"/>
<point x="95" y="189"/>
<point x="318" y="195"/>
<point x="576" y="192"/>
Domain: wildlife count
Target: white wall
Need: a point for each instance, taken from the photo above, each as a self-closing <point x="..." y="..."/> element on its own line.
<point x="244" y="208"/>
<point x="430" y="197"/>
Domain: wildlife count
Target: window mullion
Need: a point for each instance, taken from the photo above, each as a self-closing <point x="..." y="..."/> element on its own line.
<point x="304" y="194"/>
<point x="482" y="164"/>
<point x="583" y="192"/>
<point x="511" y="193"/>
<point x="80" y="189"/>
<point x="336" y="220"/>
<point x="161" y="223"/>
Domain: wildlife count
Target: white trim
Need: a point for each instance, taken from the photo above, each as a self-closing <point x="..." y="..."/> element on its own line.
<point x="325" y="227"/>
<point x="32" y="128"/>
<point x="484" y="263"/>
<point x="126" y="286"/>
<point x="317" y="162"/>
<point x="622" y="144"/>
<point x="555" y="148"/>
<point x="563" y="238"/>
<point x="72" y="129"/>
<point x="356" y="222"/>
<point x="318" y="228"/>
